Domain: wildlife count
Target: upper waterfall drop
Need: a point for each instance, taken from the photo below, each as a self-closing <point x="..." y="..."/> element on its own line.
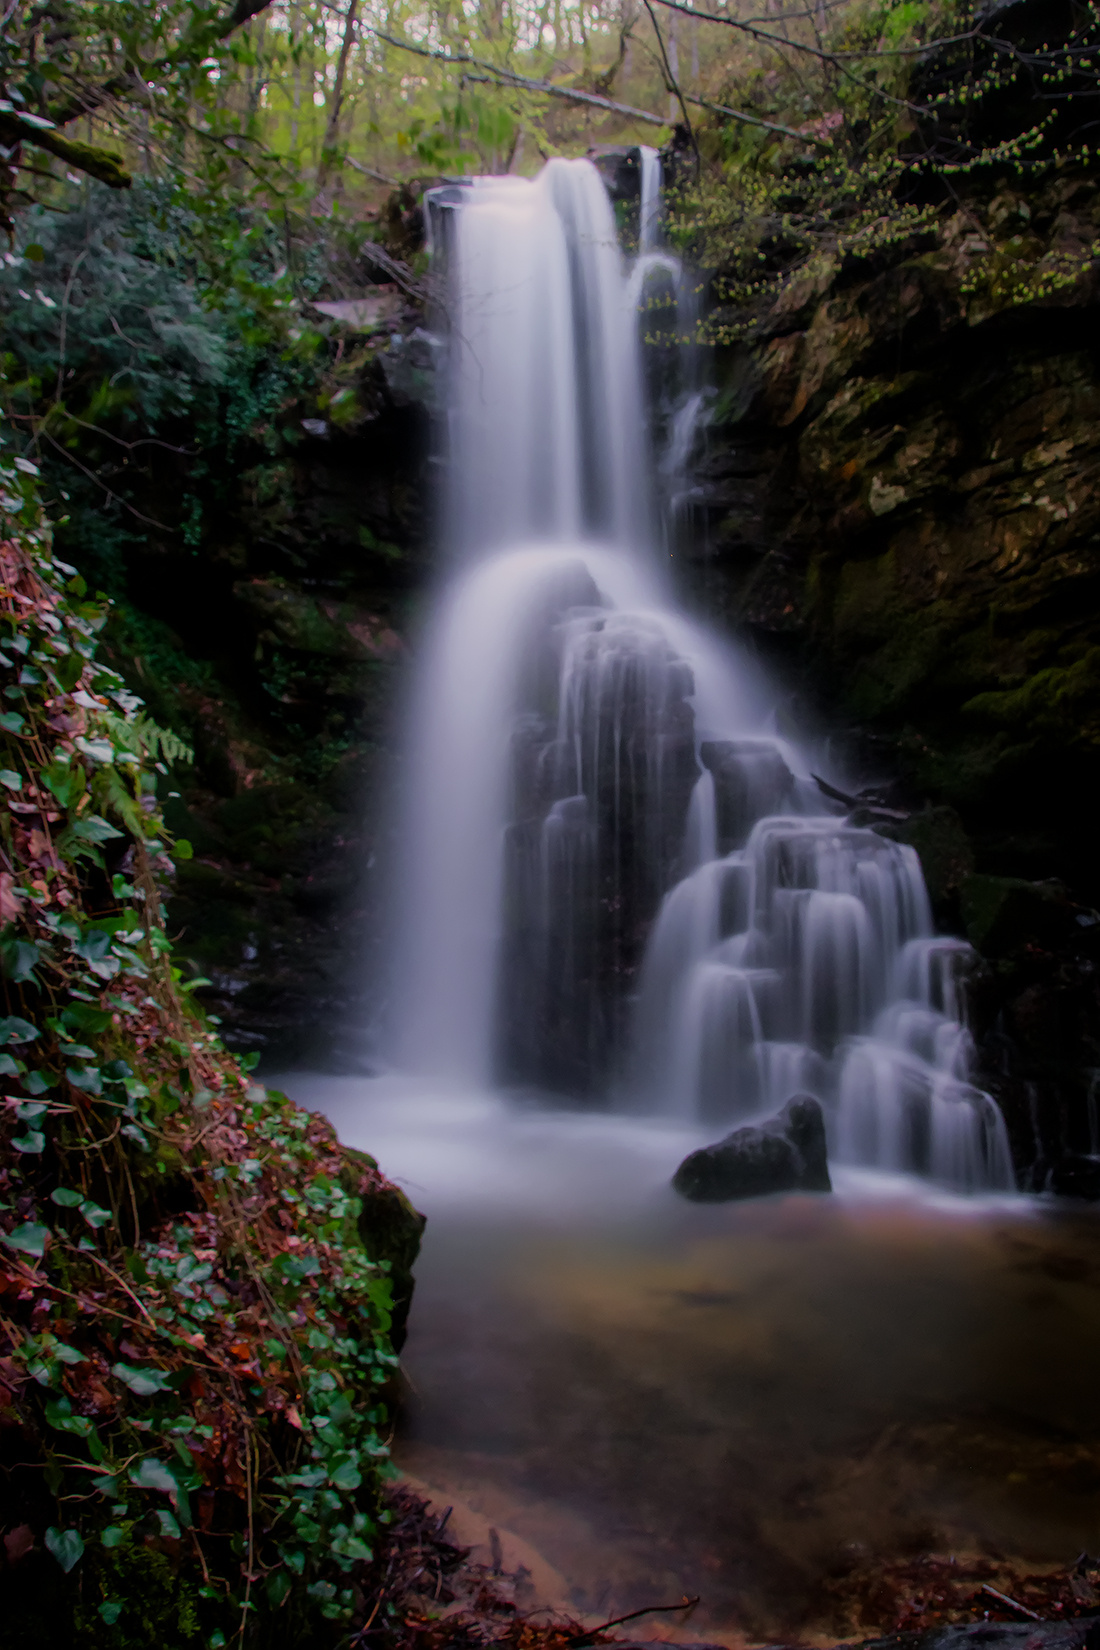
<point x="546" y="442"/>
<point x="618" y="882"/>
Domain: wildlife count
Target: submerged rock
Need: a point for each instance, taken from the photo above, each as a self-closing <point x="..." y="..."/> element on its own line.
<point x="787" y="1153"/>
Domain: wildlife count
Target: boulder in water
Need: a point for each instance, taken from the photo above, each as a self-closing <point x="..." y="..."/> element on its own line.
<point x="786" y="1153"/>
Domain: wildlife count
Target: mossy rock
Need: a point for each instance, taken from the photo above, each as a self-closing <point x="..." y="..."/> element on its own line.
<point x="390" y="1229"/>
<point x="1006" y="914"/>
<point x="945" y="851"/>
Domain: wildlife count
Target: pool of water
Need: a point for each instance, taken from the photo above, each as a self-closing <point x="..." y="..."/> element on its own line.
<point x="746" y="1402"/>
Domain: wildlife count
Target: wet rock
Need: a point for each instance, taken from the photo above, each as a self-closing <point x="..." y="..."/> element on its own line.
<point x="946" y="855"/>
<point x="1006" y="914"/>
<point x="1083" y="1634"/>
<point x="751" y="781"/>
<point x="787" y="1153"/>
<point x="1072" y="1175"/>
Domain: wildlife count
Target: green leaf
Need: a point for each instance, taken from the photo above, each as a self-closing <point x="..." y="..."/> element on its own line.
<point x="33" y="1142"/>
<point x="277" y="1586"/>
<point x="11" y="721"/>
<point x="11" y="779"/>
<point x="65" y="781"/>
<point x="92" y="828"/>
<point x="96" y="943"/>
<point x="66" y="1198"/>
<point x="113" y="1536"/>
<point x="87" y="1018"/>
<point x="30" y="1239"/>
<point x="20" y="958"/>
<point x="8" y="1067"/>
<point x="15" y="1030"/>
<point x="67" y="1546"/>
<point x="70" y="667"/>
<point x="35" y="253"/>
<point x="346" y="1476"/>
<point x="59" y="1414"/>
<point x="151" y="1474"/>
<point x="28" y="1110"/>
<point x="168" y="1525"/>
<point x="154" y="1475"/>
<point x="94" y="1215"/>
<point x="297" y="1269"/>
<point x="111" y="1608"/>
<point x="181" y="848"/>
<point x="144" y="1382"/>
<point x="85" y="1077"/>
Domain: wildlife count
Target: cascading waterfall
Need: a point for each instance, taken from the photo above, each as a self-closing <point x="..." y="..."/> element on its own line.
<point x="619" y="885"/>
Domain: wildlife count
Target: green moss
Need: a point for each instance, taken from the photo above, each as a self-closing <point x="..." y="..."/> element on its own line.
<point x="1004" y="915"/>
<point x="1061" y="700"/>
<point x="946" y="854"/>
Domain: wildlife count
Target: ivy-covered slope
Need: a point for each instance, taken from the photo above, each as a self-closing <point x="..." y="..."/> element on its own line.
<point x="200" y="1290"/>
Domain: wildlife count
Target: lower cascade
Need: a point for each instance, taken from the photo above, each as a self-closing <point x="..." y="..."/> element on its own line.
<point x="621" y="887"/>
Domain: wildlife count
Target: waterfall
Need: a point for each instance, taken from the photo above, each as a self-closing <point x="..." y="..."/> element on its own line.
<point x="620" y="887"/>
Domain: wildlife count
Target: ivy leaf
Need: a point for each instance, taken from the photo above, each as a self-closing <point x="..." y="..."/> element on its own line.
<point x="20" y="958"/>
<point x="28" y="1238"/>
<point x="110" y="1609"/>
<point x="92" y="828"/>
<point x="296" y="1269"/>
<point x="86" y="1018"/>
<point x="346" y="1476"/>
<point x="11" y="721"/>
<point x="8" y="1067"/>
<point x="113" y="1536"/>
<point x="86" y="1078"/>
<point x="94" y="1215"/>
<point x="33" y="1142"/>
<point x="11" y="779"/>
<point x="60" y="1416"/>
<point x="65" y="781"/>
<point x="168" y="1525"/>
<point x="67" y="1546"/>
<point x="278" y="1585"/>
<point x="96" y="943"/>
<point x="145" y="1382"/>
<point x="152" y="1474"/>
<point x="28" y="1110"/>
<point x="66" y="1198"/>
<point x="15" y="1030"/>
<point x="352" y="1546"/>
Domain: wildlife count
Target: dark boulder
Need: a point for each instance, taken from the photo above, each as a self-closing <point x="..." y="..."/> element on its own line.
<point x="1075" y="1174"/>
<point x="787" y="1153"/>
<point x="751" y="781"/>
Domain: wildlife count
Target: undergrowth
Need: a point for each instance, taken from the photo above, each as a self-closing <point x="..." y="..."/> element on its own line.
<point x="195" y="1341"/>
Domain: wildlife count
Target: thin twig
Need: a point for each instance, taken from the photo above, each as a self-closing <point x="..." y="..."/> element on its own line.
<point x="673" y="83"/>
<point x="685" y="1603"/>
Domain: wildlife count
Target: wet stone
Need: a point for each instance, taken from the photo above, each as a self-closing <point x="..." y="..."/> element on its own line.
<point x="787" y="1153"/>
<point x="751" y="781"/>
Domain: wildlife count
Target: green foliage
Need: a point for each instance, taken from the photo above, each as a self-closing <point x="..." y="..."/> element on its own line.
<point x="220" y="1334"/>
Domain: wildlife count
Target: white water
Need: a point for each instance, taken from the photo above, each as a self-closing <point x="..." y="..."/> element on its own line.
<point x="618" y="884"/>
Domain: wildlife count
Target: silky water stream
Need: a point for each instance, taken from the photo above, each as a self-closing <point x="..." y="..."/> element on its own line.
<point x="628" y="921"/>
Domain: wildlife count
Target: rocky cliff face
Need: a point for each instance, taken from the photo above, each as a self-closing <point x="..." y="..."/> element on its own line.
<point x="275" y="642"/>
<point x="898" y="498"/>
